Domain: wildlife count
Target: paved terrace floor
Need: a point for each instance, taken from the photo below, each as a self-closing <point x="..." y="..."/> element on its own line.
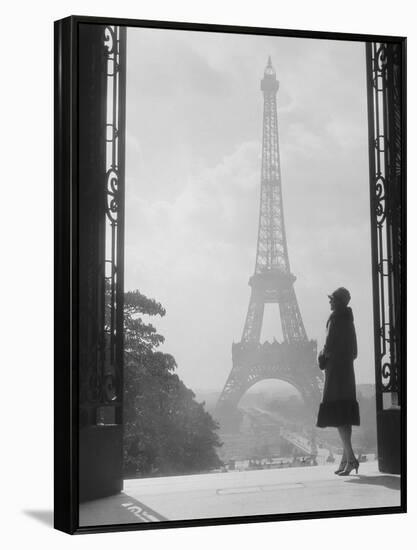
<point x="243" y="493"/>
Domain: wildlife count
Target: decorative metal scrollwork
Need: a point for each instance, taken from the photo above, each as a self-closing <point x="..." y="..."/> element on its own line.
<point x="112" y="353"/>
<point x="385" y="138"/>
<point x="380" y="196"/>
<point x="112" y="178"/>
<point x="110" y="39"/>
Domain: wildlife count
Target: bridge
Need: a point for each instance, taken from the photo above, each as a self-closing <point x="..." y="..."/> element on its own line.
<point x="278" y="421"/>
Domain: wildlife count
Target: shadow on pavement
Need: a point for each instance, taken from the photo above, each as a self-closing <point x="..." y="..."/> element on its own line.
<point x="43" y="516"/>
<point x="390" y="482"/>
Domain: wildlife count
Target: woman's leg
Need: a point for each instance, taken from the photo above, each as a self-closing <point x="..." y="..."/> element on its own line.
<point x="342" y="464"/>
<point x="345" y="433"/>
<point x="342" y="438"/>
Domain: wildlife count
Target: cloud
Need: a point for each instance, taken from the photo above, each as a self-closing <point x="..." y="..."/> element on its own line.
<point x="184" y="236"/>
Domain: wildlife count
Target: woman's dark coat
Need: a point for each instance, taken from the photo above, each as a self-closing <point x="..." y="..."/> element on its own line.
<point x="339" y="406"/>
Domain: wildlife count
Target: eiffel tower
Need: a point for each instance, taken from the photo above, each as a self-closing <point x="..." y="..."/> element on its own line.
<point x="294" y="359"/>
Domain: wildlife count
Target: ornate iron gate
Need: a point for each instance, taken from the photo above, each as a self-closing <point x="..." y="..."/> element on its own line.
<point x="385" y="66"/>
<point x="101" y="131"/>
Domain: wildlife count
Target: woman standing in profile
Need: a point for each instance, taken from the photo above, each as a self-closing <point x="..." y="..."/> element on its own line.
<point x="339" y="407"/>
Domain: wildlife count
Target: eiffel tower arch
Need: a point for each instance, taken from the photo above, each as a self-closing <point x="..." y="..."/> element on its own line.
<point x="294" y="359"/>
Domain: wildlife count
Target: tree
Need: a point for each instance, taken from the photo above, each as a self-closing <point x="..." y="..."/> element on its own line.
<point x="166" y="430"/>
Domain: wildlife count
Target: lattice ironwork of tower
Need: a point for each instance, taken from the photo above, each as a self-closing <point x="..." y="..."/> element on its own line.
<point x="294" y="359"/>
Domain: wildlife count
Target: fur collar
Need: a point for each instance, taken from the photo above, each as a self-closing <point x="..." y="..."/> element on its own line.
<point x="344" y="313"/>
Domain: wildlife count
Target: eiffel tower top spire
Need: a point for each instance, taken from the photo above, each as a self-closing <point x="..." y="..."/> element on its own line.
<point x="269" y="69"/>
<point x="271" y="254"/>
<point x="269" y="82"/>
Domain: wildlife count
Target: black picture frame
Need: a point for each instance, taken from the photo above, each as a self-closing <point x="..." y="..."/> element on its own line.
<point x="68" y="201"/>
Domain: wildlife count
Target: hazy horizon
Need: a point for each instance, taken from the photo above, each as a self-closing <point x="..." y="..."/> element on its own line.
<point x="193" y="160"/>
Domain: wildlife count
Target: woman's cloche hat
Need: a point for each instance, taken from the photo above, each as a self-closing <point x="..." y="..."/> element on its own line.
<point x="341" y="294"/>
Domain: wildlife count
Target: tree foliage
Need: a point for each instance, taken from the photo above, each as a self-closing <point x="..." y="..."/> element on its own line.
<point x="166" y="430"/>
<point x="139" y="337"/>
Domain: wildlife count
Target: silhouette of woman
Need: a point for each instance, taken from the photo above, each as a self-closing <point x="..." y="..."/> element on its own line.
<point x="339" y="407"/>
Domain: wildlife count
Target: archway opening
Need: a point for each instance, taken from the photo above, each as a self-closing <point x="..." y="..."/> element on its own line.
<point x="275" y="427"/>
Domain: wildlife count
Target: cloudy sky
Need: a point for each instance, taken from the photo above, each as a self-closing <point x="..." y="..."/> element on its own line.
<point x="194" y="127"/>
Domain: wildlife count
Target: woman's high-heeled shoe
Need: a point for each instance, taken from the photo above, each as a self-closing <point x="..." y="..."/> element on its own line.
<point x="341" y="467"/>
<point x="351" y="465"/>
